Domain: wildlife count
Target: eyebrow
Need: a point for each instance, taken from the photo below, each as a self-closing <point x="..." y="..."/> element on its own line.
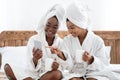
<point x="50" y="23"/>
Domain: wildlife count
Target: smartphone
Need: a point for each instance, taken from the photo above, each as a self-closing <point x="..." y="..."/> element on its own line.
<point x="37" y="45"/>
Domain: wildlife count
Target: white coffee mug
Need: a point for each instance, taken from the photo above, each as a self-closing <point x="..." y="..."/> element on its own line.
<point x="79" y="55"/>
<point x="48" y="64"/>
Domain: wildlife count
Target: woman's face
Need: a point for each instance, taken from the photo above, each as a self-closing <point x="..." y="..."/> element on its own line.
<point x="73" y="29"/>
<point x="51" y="27"/>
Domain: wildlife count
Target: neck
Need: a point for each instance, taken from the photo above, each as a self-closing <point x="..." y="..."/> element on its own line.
<point x="50" y="40"/>
<point x="82" y="36"/>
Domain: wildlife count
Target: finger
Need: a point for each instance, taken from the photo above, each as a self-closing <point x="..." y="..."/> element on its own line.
<point x="48" y="46"/>
<point x="38" y="54"/>
<point x="52" y="50"/>
<point x="51" y="47"/>
<point x="33" y="51"/>
<point x="55" y="59"/>
<point x="36" y="51"/>
<point x="55" y="65"/>
<point x="86" y="53"/>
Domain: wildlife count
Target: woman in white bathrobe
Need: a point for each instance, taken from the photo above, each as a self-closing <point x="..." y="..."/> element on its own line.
<point x="87" y="50"/>
<point x="36" y="64"/>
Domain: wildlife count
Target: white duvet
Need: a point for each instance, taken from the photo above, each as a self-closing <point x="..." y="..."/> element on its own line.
<point x="18" y="52"/>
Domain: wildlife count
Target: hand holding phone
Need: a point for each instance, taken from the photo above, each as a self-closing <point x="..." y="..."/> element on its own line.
<point x="37" y="52"/>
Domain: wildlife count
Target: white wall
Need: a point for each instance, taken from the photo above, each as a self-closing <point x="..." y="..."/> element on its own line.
<point x="112" y="14"/>
<point x="25" y="14"/>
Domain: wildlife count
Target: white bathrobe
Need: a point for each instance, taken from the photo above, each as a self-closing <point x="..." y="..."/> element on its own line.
<point x="94" y="45"/>
<point x="77" y="14"/>
<point x="39" y="70"/>
<point x="29" y="70"/>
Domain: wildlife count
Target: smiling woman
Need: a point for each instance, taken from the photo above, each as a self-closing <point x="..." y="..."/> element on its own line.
<point x="47" y="34"/>
<point x="111" y="38"/>
<point x="51" y="29"/>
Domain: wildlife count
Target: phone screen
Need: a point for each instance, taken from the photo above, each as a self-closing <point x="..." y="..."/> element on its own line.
<point x="37" y="44"/>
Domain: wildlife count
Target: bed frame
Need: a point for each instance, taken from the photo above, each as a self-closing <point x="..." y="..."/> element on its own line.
<point x="20" y="38"/>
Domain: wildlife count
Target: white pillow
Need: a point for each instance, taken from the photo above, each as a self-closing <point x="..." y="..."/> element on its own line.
<point x="107" y="51"/>
<point x="14" y="55"/>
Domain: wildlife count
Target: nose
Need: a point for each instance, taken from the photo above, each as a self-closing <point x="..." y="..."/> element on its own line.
<point x="50" y="29"/>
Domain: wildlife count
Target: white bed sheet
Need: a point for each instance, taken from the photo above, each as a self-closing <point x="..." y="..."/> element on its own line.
<point x="13" y="55"/>
<point x="115" y="68"/>
<point x="17" y="56"/>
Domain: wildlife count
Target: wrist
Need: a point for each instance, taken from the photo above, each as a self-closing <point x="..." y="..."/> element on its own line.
<point x="91" y="60"/>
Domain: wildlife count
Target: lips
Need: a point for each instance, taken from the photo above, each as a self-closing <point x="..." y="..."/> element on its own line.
<point x="50" y="32"/>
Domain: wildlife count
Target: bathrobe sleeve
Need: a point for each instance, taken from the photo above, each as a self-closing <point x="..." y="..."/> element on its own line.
<point x="65" y="49"/>
<point x="98" y="52"/>
<point x="30" y="63"/>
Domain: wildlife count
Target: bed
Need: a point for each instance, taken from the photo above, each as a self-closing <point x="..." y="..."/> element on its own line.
<point x="17" y="41"/>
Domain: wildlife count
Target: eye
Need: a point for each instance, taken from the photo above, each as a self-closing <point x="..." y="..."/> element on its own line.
<point x="47" y="25"/>
<point x="70" y="27"/>
<point x="56" y="27"/>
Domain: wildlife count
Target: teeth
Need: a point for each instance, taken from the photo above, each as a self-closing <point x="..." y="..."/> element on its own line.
<point x="49" y="32"/>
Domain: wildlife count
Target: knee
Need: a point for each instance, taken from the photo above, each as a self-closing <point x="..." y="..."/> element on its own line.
<point x="57" y="75"/>
<point x="7" y="68"/>
<point x="72" y="79"/>
<point x="91" y="79"/>
<point x="9" y="72"/>
<point x="28" y="78"/>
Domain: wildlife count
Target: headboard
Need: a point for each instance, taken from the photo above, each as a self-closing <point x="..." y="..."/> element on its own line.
<point x="15" y="38"/>
<point x="20" y="38"/>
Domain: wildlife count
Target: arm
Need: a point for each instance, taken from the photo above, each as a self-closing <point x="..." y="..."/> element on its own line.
<point x="100" y="60"/>
<point x="37" y="54"/>
<point x="59" y="53"/>
<point x="88" y="58"/>
<point x="32" y="55"/>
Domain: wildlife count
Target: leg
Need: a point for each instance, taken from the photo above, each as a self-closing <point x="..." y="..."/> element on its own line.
<point x="52" y="75"/>
<point x="28" y="78"/>
<point x="77" y="78"/>
<point x="91" y="79"/>
<point x="9" y="72"/>
<point x="99" y="78"/>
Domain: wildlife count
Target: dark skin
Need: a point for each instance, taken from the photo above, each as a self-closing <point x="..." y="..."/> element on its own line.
<point x="50" y="31"/>
<point x="76" y="31"/>
<point x="81" y="34"/>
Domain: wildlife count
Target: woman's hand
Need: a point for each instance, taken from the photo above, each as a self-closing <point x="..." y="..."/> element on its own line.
<point x="54" y="50"/>
<point x="37" y="54"/>
<point x="55" y="66"/>
<point x="88" y="58"/>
